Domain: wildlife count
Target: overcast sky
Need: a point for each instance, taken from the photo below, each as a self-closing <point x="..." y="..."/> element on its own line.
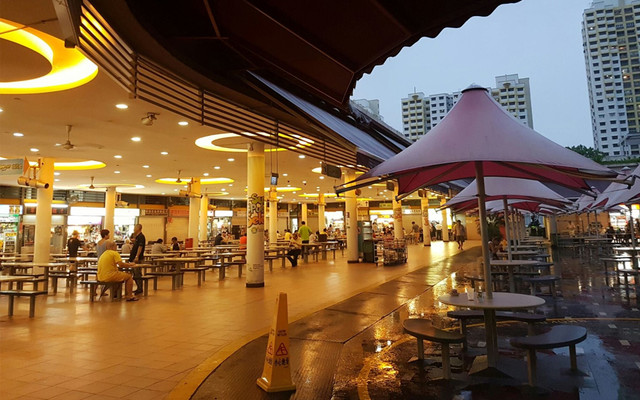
<point x="538" y="39"/>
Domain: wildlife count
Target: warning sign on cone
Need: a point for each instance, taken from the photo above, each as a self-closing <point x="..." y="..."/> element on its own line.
<point x="276" y="374"/>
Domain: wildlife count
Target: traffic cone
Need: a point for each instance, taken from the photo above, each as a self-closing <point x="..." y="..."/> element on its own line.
<point x="276" y="374"/>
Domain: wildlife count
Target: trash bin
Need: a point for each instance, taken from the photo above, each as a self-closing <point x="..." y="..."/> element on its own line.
<point x="369" y="251"/>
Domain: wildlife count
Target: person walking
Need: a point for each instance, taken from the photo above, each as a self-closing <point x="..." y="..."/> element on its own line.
<point x="137" y="255"/>
<point x="415" y="230"/>
<point x="305" y="232"/>
<point x="460" y="233"/>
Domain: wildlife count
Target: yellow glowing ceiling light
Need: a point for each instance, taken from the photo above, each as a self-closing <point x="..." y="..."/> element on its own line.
<point x="318" y="170"/>
<point x="210" y="194"/>
<point x="108" y="185"/>
<point x="207" y="142"/>
<point x="283" y="189"/>
<point x="316" y="195"/>
<point x="359" y="199"/>
<point x="74" y="165"/>
<point x="203" y="181"/>
<point x="69" y="67"/>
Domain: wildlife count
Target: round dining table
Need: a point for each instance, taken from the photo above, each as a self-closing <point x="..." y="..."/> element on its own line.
<point x="500" y="301"/>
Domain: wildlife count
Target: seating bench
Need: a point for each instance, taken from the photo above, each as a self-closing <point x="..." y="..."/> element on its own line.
<point x="70" y="277"/>
<point x="478" y="278"/>
<point x="422" y="330"/>
<point x="145" y="283"/>
<point x="200" y="271"/>
<point x="176" y="278"/>
<point x="23" y="293"/>
<point x="465" y="315"/>
<point x="114" y="288"/>
<point x="549" y="280"/>
<point x="558" y="336"/>
<point x="270" y="258"/>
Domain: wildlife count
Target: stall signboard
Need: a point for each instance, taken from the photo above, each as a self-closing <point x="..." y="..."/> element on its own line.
<point x="224" y="213"/>
<point x="162" y="212"/>
<point x="87" y="211"/>
<point x="12" y="166"/>
<point x="385" y="205"/>
<point x="409" y="211"/>
<point x="84" y="220"/>
<point x="56" y="209"/>
<point x="10" y="209"/>
<point x="178" y="212"/>
<point x="10" y="218"/>
<point x="127" y="212"/>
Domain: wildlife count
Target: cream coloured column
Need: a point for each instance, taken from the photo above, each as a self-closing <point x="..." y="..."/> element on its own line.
<point x="203" y="233"/>
<point x="194" y="210"/>
<point x="42" y="240"/>
<point x="398" y="232"/>
<point x="321" y="204"/>
<point x="445" y="222"/>
<point x="303" y="213"/>
<point x="351" y="219"/>
<point x="273" y="216"/>
<point x="426" y="226"/>
<point x="110" y="209"/>
<point x="255" y="215"/>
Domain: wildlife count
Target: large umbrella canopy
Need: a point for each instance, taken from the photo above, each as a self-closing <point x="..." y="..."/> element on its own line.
<point x="478" y="129"/>
<point x="497" y="188"/>
<point x="618" y="193"/>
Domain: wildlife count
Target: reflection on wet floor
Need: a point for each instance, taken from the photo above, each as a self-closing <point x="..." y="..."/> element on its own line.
<point x="356" y="349"/>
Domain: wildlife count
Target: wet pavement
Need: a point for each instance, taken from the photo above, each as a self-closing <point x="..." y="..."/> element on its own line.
<point x="356" y="349"/>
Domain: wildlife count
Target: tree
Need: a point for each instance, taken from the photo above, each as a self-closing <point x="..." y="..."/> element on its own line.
<point x="589" y="152"/>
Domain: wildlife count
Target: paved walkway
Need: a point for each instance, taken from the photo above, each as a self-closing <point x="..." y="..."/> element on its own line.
<point x="74" y="349"/>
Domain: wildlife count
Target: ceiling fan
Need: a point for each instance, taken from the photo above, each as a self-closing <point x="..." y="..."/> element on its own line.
<point x="91" y="186"/>
<point x="68" y="145"/>
<point x="71" y="146"/>
<point x="179" y="180"/>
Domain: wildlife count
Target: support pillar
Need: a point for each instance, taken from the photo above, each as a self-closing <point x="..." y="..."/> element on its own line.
<point x="507" y="227"/>
<point x="351" y="219"/>
<point x="321" y="205"/>
<point x="303" y="214"/>
<point x="203" y="233"/>
<point x="110" y="209"/>
<point x="398" y="232"/>
<point x="255" y="215"/>
<point x="194" y="210"/>
<point x="42" y="240"/>
<point x="273" y="216"/>
<point x="426" y="225"/>
<point x="445" y="222"/>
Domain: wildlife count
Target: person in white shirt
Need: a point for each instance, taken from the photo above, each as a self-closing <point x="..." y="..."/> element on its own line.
<point x="158" y="247"/>
<point x="126" y="247"/>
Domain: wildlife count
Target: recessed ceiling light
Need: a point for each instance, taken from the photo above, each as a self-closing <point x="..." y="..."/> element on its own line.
<point x="135" y="139"/>
<point x="148" y="176"/>
<point x="162" y="193"/>
<point x="231" y="184"/>
<point x="18" y="134"/>
<point x="223" y="190"/>
<point x="302" y="156"/>
<point x="175" y="190"/>
<point x="285" y="174"/>
<point x="183" y="123"/>
<point x="304" y="182"/>
<point x="164" y="153"/>
<point x="216" y="167"/>
<point x="122" y="106"/>
<point x="145" y="166"/>
<point x="321" y="177"/>
<point x="1" y="110"/>
<point x="370" y="187"/>
<point x="231" y="159"/>
<point x="56" y="180"/>
<point x="116" y="172"/>
<point x="56" y="173"/>
<point x="33" y="149"/>
<point x="117" y="156"/>
<point x="205" y="174"/>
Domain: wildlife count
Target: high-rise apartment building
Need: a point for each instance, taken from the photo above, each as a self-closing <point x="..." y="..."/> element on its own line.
<point x="610" y="39"/>
<point x="421" y="113"/>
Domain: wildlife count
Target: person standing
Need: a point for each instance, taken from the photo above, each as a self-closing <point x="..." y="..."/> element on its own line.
<point x="102" y="244"/>
<point x="137" y="255"/>
<point x="415" y="230"/>
<point x="73" y="244"/>
<point x="304" y="232"/>
<point x="460" y="233"/>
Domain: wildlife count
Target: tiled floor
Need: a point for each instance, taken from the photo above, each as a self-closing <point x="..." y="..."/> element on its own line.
<point x="77" y="350"/>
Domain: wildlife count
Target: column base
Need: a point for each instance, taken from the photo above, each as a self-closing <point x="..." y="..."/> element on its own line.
<point x="252" y="285"/>
<point x="427" y="245"/>
<point x="353" y="261"/>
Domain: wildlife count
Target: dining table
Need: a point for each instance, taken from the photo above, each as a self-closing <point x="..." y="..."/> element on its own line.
<point x="500" y="301"/>
<point x="511" y="266"/>
<point x="45" y="266"/>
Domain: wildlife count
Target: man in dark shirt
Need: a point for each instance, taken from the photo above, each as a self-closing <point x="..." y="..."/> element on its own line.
<point x="137" y="255"/>
<point x="73" y="244"/>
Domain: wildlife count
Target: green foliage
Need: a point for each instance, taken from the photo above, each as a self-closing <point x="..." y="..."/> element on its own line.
<point x="494" y="222"/>
<point x="589" y="152"/>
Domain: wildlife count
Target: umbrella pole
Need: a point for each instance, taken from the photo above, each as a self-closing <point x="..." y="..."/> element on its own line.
<point x="507" y="225"/>
<point x="595" y="214"/>
<point x="484" y="229"/>
<point x="588" y="232"/>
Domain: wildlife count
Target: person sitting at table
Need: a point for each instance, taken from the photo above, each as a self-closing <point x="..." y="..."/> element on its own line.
<point x="219" y="240"/>
<point x="126" y="247"/>
<point x="243" y="240"/>
<point x="494" y="247"/>
<point x="295" y="248"/>
<point x="287" y="235"/>
<point x="102" y="244"/>
<point x="158" y="247"/>
<point x="73" y="244"/>
<point x="175" y="246"/>
<point x="313" y="237"/>
<point x="108" y="264"/>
